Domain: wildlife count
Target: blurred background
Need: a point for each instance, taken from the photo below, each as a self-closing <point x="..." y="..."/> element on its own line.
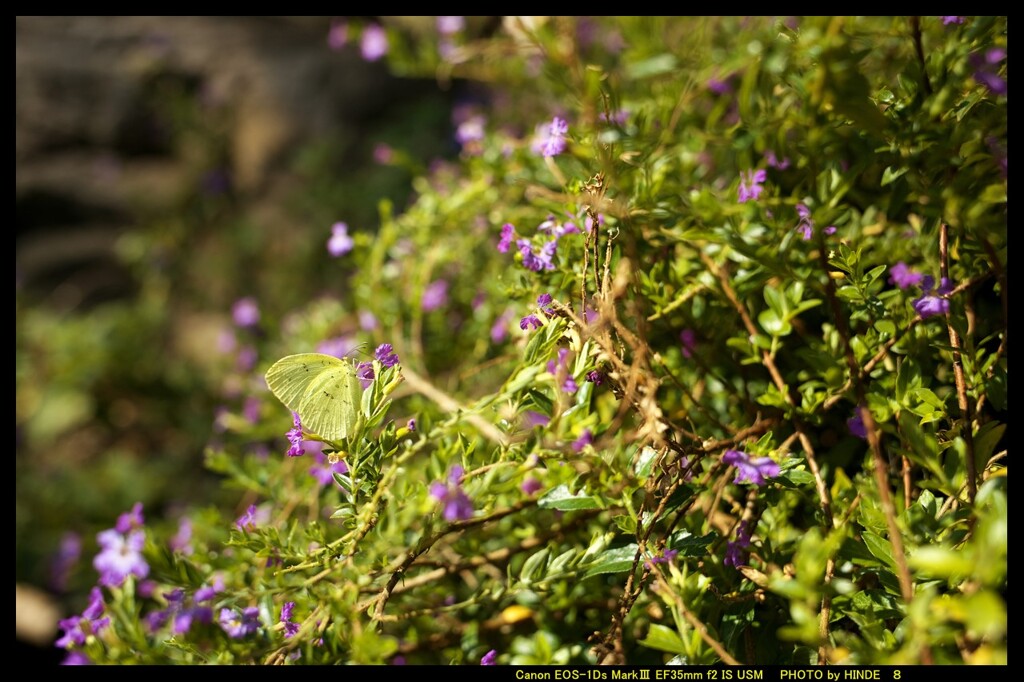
<point x="168" y="168"/>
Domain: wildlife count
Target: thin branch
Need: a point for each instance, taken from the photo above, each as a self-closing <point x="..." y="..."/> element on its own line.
<point x="958" y="375"/>
<point x="915" y="27"/>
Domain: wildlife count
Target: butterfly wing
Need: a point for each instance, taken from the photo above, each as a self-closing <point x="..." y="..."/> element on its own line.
<point x="323" y="389"/>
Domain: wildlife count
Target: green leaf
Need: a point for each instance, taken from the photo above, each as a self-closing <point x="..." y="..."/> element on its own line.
<point x="689" y="545"/>
<point x="654" y="66"/>
<point x="618" y="560"/>
<point x="879" y="548"/>
<point x="560" y="498"/>
<point x="534" y="566"/>
<point x="663" y="638"/>
<point x="889" y="175"/>
<point x="941" y="562"/>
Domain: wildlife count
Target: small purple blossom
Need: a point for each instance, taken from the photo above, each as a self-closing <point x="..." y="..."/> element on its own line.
<point x="246" y="312"/>
<point x="754" y="470"/>
<point x="530" y="485"/>
<point x="490" y="658"/>
<point x="946" y="21"/>
<point x="383" y="153"/>
<point x="931" y="301"/>
<point x="337" y="36"/>
<point x="499" y="330"/>
<point x="78" y="628"/>
<point x="596" y="377"/>
<point x="856" y="425"/>
<point x="435" y="295"/>
<point x="340" y="242"/>
<point x="247" y="521"/>
<point x="364" y="372"/>
<point x="544" y="299"/>
<point x="534" y="418"/>
<point x="735" y="549"/>
<point x="719" y="86"/>
<point x="450" y="25"/>
<point x="121" y="556"/>
<point x="470" y="132"/>
<point x="457" y="505"/>
<point x="251" y="409"/>
<point x="902" y="276"/>
<point x="751" y="184"/>
<point x="290" y="628"/>
<point x="294" y="436"/>
<point x="688" y="338"/>
<point x="324" y="469"/>
<point x="246" y="358"/>
<point x="540" y="260"/>
<point x="560" y="370"/>
<point x="986" y="70"/>
<point x="367" y="320"/>
<point x="76" y="658"/>
<point x="67" y="556"/>
<point x="552" y="142"/>
<point x="239" y="625"/>
<point x="664" y="558"/>
<point x="586" y="438"/>
<point x="805" y="225"/>
<point x="773" y="161"/>
<point x="386" y="355"/>
<point x="411" y="424"/>
<point x="529" y="322"/>
<point x="182" y="540"/>
<point x="508" y="233"/>
<point x="374" y="43"/>
<point x="338" y="346"/>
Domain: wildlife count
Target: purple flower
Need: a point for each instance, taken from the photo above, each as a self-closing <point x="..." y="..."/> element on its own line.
<point x="508" y="233"/>
<point x="457" y="505"/>
<point x="196" y="614"/>
<point x="182" y="540"/>
<point x="544" y="299"/>
<point x="688" y="338"/>
<point x="754" y="470"/>
<point x="931" y="302"/>
<point x="856" y="425"/>
<point x="364" y="372"/>
<point x="383" y="153"/>
<point x="596" y="377"/>
<point x="530" y="485"/>
<point x="130" y="519"/>
<point x="290" y="628"/>
<point x="76" y="658"/>
<point x="239" y="625"/>
<point x="338" y="346"/>
<point x="367" y="320"/>
<point x="490" y="658"/>
<point x="585" y="439"/>
<point x="772" y="160"/>
<point x="120" y="557"/>
<point x="411" y="424"/>
<point x="251" y="410"/>
<point x="541" y="260"/>
<point x="374" y="43"/>
<point x="471" y="131"/>
<point x="560" y="370"/>
<point x="450" y="25"/>
<point x="247" y="521"/>
<point x="246" y="312"/>
<point x="664" y="558"/>
<point x="340" y="242"/>
<point x="337" y="36"/>
<point x="324" y="469"/>
<point x="534" y="418"/>
<point x="751" y="185"/>
<point x="735" y="549"/>
<point x="553" y="142"/>
<point x="986" y="70"/>
<point x="386" y="355"/>
<point x="946" y="21"/>
<point x="64" y="561"/>
<point x="499" y="330"/>
<point x="805" y="225"/>
<point x="902" y="276"/>
<point x="718" y="86"/>
<point x="435" y="295"/>
<point x="78" y="628"/>
<point x="246" y="358"/>
<point x="294" y="436"/>
<point x="529" y="322"/>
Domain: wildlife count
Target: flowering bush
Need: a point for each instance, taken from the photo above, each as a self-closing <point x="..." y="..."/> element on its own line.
<point x="736" y="422"/>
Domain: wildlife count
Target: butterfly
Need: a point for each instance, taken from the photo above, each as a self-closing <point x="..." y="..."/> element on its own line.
<point x="323" y="389"/>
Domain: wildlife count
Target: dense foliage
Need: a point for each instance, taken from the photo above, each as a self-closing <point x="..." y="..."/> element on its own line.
<point x="698" y="355"/>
